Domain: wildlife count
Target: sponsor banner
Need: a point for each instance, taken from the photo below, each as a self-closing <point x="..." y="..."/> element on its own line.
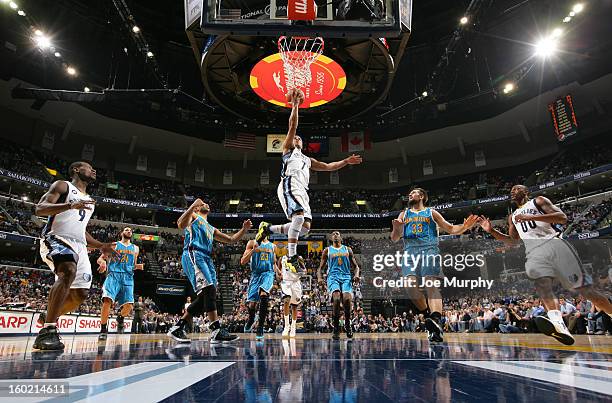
<point x="24" y="322"/>
<point x="65" y="323"/>
<point x="23" y="178"/>
<point x="495" y="199"/>
<point x="91" y="324"/>
<point x="274" y="143"/>
<point x="170" y="289"/>
<point x="315" y="246"/>
<point x="7" y="236"/>
<point x="12" y="322"/>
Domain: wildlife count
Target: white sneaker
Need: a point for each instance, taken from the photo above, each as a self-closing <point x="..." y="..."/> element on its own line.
<point x="558" y="330"/>
<point x="292" y="332"/>
<point x="286" y="331"/>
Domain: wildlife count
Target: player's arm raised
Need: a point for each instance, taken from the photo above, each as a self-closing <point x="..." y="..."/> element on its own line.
<point x="251" y="246"/>
<point x="137" y="266"/>
<point x="48" y="205"/>
<point x="357" y="275"/>
<point x="398" y="226"/>
<point x="224" y="238"/>
<point x="297" y="97"/>
<point x="107" y="248"/>
<point x="186" y="218"/>
<point x="323" y="262"/>
<point x="454" y="229"/>
<point x="334" y="166"/>
<point x="510" y="238"/>
<point x="552" y="214"/>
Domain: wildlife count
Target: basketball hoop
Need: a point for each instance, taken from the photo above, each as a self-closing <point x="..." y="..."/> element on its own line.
<point x="298" y="53"/>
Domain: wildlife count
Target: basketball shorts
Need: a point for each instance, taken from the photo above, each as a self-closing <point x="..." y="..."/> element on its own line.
<point x="423" y="261"/>
<point x="55" y="249"/>
<point x="199" y="269"/>
<point x="293" y="290"/>
<point x="558" y="259"/>
<point x="339" y="283"/>
<point x="119" y="287"/>
<point x="293" y="198"/>
<point x="260" y="281"/>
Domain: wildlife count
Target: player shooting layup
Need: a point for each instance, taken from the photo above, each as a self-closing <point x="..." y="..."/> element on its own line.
<point x="293" y="189"/>
<point x="549" y="257"/>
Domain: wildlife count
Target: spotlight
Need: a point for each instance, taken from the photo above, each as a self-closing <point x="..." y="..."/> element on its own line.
<point x="546" y="47"/>
<point x="135" y="29"/>
<point x="57" y="54"/>
<point x="13" y="5"/>
<point x="508" y="88"/>
<point x="567" y="19"/>
<point x="150" y="54"/>
<point x="24" y="198"/>
<point x="425" y="93"/>
<point x="578" y="8"/>
<point x="86" y="89"/>
<point x="463" y="20"/>
<point x="43" y="42"/>
<point x="71" y="71"/>
<point x="571" y="14"/>
<point x="556" y="33"/>
<point x="21" y="13"/>
<point x="38" y="32"/>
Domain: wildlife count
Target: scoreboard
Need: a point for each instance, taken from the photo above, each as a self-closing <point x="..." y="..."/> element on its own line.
<point x="563" y="117"/>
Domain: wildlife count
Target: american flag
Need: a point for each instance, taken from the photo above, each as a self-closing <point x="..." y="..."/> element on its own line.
<point x="243" y="141"/>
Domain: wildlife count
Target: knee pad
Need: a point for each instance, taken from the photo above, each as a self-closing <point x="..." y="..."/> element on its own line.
<point x="297" y="223"/>
<point x="210" y="298"/>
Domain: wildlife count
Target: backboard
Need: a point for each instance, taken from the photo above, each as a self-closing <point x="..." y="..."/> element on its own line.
<point x="335" y="18"/>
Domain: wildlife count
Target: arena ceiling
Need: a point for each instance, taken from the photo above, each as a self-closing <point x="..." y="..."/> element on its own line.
<point x="467" y="85"/>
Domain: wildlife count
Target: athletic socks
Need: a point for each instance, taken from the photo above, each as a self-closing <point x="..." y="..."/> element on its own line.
<point x="336" y="316"/>
<point x="347" y="312"/>
<point x="263" y="311"/>
<point x="286" y="320"/>
<point x="50" y="324"/>
<point x="292" y="248"/>
<point x="104" y="328"/>
<point x="252" y="312"/>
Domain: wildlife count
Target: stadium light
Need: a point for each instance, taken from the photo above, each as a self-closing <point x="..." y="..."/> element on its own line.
<point x="234" y="202"/>
<point x="546" y="47"/>
<point x="567" y="19"/>
<point x="86" y="89"/>
<point x="38" y="32"/>
<point x="556" y="33"/>
<point x="71" y="71"/>
<point x="259" y="205"/>
<point x="13" y="5"/>
<point x="42" y="41"/>
<point x="24" y="198"/>
<point x="572" y="14"/>
<point x="4" y="1"/>
<point x="508" y="88"/>
<point x="336" y="205"/>
<point x="464" y="20"/>
<point x="150" y="54"/>
<point x="360" y="202"/>
<point x="57" y="54"/>
<point x="425" y="93"/>
<point x="578" y="8"/>
<point x="21" y="13"/>
<point x="135" y="29"/>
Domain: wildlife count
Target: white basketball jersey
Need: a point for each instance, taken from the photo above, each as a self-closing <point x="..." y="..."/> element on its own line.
<point x="70" y="224"/>
<point x="533" y="229"/>
<point x="297" y="166"/>
<point x="288" y="275"/>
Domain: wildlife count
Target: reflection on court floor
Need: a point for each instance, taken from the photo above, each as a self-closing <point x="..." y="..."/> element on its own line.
<point x="398" y="367"/>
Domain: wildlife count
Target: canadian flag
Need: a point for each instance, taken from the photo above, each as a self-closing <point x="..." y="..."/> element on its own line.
<point x="356" y="141"/>
<point x="302" y="10"/>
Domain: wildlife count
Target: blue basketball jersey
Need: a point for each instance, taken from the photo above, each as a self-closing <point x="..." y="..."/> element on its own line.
<point x="338" y="263"/>
<point x="124" y="261"/>
<point x="262" y="259"/>
<point x="199" y="236"/>
<point x="420" y="229"/>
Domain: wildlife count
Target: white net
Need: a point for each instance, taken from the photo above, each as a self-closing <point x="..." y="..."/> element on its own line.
<point x="298" y="53"/>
